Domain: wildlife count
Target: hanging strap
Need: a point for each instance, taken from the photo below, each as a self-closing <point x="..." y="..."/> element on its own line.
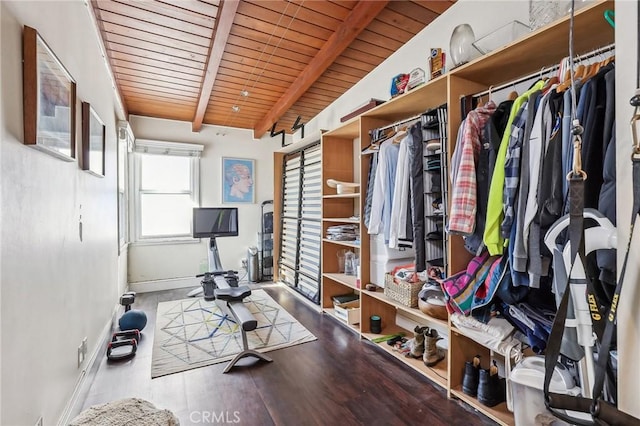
<point x="555" y="401"/>
<point x="600" y="410"/>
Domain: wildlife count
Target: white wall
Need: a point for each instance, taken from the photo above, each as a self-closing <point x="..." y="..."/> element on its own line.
<point x="56" y="289"/>
<point x="153" y="262"/>
<point x="628" y="314"/>
<point x="415" y="53"/>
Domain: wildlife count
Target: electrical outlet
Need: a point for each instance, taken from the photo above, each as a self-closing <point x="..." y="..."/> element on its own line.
<point x="40" y="422"/>
<point x="243" y="263"/>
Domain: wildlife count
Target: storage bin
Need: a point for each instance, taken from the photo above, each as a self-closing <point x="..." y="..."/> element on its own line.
<point x="348" y="312"/>
<point x="402" y="291"/>
<point x="527" y="379"/>
<point x="501" y="37"/>
<point x="380" y="251"/>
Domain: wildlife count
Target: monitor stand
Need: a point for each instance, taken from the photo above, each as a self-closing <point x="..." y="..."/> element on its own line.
<point x="214" y="265"/>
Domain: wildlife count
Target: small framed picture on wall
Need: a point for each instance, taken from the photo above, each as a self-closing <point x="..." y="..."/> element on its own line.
<point x="93" y="141"/>
<point x="238" y="184"/>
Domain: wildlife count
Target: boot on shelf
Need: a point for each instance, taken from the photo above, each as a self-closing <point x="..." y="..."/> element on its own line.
<point x="471" y="376"/>
<point x="432" y="353"/>
<point x="491" y="388"/>
<point x="417" y="343"/>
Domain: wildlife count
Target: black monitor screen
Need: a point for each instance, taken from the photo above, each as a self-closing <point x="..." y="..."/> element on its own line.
<point x="215" y="222"/>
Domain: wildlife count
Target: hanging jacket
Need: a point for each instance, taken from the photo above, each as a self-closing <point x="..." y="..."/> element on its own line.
<point x="592" y="140"/>
<point x="398" y="226"/>
<point x="464" y="197"/>
<point x="512" y="168"/>
<point x="416" y="189"/>
<point x="492" y="238"/>
<point x="531" y="229"/>
<point x="551" y="196"/>
<point x="518" y="253"/>
<point x="490" y="144"/>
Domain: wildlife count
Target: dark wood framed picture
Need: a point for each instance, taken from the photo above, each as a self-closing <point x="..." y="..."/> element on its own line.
<point x="93" y="141"/>
<point x="49" y="99"/>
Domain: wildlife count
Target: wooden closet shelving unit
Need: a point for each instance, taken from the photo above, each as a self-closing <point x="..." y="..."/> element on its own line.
<point x="340" y="151"/>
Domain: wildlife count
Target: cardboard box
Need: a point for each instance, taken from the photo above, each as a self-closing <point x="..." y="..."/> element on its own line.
<point x="348" y="312"/>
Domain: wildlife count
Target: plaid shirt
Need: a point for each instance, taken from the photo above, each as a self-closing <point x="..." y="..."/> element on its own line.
<point x="462" y="219"/>
<point x="512" y="169"/>
<point x="492" y="235"/>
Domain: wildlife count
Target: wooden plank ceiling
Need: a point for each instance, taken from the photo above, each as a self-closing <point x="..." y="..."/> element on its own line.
<point x="250" y="63"/>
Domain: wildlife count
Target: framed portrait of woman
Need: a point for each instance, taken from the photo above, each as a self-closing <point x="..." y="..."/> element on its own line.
<point x="238" y="184"/>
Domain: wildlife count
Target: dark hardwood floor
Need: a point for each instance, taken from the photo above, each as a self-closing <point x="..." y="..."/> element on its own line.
<point x="338" y="379"/>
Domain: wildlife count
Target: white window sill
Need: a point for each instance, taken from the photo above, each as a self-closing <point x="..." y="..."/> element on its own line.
<point x="165" y="241"/>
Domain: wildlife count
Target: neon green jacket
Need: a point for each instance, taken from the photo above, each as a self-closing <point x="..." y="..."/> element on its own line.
<point x="492" y="238"/>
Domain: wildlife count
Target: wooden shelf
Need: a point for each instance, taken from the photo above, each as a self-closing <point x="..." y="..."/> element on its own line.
<point x="499" y="413"/>
<point x="541" y="48"/>
<point x="412" y="311"/>
<point x="351" y="195"/>
<point x="438" y="373"/>
<point x="430" y="95"/>
<point x="342" y="243"/>
<point x="350" y="129"/>
<point x="341" y="220"/>
<point x="344" y="279"/>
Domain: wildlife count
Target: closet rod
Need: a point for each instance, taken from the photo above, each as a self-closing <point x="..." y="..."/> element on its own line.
<point x="546" y="70"/>
<point x="397" y="123"/>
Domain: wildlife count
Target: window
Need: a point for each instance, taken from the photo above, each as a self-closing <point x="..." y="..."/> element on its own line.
<point x="167" y="181"/>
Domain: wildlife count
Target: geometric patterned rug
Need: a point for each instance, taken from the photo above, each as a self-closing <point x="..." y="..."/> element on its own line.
<point x="192" y="333"/>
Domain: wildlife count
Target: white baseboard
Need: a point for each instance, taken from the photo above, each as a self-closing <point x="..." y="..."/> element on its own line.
<point x="81" y="390"/>
<point x="168" y="284"/>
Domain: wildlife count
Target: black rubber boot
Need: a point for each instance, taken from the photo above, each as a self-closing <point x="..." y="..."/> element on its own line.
<point x="471" y="376"/>
<point x="491" y="388"/>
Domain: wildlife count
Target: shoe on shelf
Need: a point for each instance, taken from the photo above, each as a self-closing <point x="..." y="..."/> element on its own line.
<point x="471" y="376"/>
<point x="416" y="344"/>
<point x="432" y="353"/>
<point x="491" y="388"/>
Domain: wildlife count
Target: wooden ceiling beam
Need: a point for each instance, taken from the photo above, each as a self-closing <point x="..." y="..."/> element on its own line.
<point x="224" y="22"/>
<point x="357" y="20"/>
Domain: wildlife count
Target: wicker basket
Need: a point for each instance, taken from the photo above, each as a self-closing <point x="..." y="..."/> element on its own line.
<point x="401" y="291"/>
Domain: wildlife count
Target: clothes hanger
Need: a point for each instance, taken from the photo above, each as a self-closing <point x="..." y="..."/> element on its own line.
<point x="565" y="83"/>
<point x="401" y="133"/>
<point x="593" y="70"/>
<point x="549" y="84"/>
<point x="512" y="96"/>
<point x="580" y="71"/>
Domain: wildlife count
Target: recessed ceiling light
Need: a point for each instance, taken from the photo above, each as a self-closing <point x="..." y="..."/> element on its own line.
<point x="244" y="93"/>
<point x="235" y="108"/>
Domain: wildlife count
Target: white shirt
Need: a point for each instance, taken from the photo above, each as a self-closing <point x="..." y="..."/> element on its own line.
<point x="398" y="227"/>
